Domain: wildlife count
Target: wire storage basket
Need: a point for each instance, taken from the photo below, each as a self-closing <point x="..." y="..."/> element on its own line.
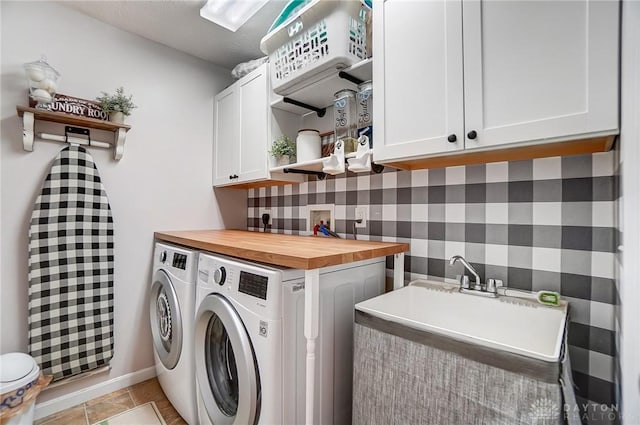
<point x="316" y="39"/>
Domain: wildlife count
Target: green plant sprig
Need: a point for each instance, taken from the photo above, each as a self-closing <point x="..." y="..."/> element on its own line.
<point x="283" y="146"/>
<point x="118" y="102"/>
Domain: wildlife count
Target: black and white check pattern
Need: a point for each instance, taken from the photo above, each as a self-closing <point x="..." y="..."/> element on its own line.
<point x="538" y="224"/>
<point x="71" y="269"/>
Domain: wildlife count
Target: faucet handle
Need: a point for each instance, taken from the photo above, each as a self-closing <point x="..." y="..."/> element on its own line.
<point x="463" y="280"/>
<point x="493" y="284"/>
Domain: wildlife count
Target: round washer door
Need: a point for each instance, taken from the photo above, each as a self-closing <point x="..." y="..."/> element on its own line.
<point x="166" y="320"/>
<point x="226" y="366"/>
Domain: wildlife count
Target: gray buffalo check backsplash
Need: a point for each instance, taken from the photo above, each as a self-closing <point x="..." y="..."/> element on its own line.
<point x="537" y="224"/>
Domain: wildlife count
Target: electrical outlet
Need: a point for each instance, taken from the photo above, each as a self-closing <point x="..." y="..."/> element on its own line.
<point x="361" y="214"/>
<point x="265" y="211"/>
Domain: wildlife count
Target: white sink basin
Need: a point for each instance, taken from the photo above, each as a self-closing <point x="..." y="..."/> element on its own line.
<point x="505" y="323"/>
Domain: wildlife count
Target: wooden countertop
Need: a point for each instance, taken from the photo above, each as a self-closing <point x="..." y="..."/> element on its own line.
<point x="299" y="252"/>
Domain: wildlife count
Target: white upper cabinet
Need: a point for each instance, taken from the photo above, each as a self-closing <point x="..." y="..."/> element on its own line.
<point x="244" y="127"/>
<point x="254" y="126"/>
<point x="538" y="70"/>
<point x="417" y="75"/>
<point x="225" y="134"/>
<point x="451" y="74"/>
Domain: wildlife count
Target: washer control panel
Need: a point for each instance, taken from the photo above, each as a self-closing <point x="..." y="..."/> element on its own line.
<point x="178" y="261"/>
<point x="253" y="284"/>
<point x="256" y="287"/>
<point x="220" y="275"/>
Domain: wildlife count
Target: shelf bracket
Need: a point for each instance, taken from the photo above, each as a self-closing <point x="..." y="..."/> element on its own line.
<point x="377" y="168"/>
<point x="118" y="150"/>
<point x="27" y="131"/>
<point x="349" y="77"/>
<point x="320" y="111"/>
<point x="319" y="174"/>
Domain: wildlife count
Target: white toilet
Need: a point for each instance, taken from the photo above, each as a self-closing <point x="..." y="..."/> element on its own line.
<point x="18" y="373"/>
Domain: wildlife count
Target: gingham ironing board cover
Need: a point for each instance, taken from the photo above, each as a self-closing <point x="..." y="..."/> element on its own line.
<point x="71" y="269"/>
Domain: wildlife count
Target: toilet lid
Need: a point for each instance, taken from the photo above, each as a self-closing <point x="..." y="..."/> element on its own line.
<point x="17" y="370"/>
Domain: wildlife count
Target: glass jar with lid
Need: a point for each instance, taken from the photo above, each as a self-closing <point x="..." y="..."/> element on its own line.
<point x="43" y="81"/>
<point x="345" y="119"/>
<point x="365" y="104"/>
<point x="365" y="110"/>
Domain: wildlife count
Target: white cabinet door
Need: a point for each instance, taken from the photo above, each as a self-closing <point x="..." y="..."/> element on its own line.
<point x="417" y="76"/>
<point x="225" y="137"/>
<point x="543" y="69"/>
<point x="254" y="128"/>
<point x="244" y="126"/>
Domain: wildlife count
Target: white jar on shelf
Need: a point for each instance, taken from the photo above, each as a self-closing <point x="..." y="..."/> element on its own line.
<point x="308" y="145"/>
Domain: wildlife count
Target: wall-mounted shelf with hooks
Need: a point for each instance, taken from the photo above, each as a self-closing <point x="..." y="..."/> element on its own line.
<point x="30" y="115"/>
<point x="319" y="95"/>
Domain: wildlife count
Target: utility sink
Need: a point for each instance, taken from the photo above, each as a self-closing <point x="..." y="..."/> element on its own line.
<point x="505" y="323"/>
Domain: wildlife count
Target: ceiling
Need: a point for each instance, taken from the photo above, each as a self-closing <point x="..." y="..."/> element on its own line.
<point x="177" y="24"/>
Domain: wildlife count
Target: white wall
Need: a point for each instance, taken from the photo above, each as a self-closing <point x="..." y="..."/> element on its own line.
<point x="163" y="182"/>
<point x="630" y="156"/>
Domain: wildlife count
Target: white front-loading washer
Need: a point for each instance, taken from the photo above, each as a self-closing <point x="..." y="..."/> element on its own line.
<point x="171" y="308"/>
<point x="250" y="348"/>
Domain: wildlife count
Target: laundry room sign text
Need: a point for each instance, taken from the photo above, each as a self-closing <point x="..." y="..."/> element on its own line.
<point x="74" y="106"/>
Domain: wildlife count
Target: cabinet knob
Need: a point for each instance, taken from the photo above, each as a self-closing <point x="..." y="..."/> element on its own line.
<point x="230" y="176"/>
<point x="472" y="134"/>
<point x="452" y="138"/>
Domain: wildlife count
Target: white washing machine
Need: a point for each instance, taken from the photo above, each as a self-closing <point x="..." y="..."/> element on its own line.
<point x="171" y="308"/>
<point x="250" y="349"/>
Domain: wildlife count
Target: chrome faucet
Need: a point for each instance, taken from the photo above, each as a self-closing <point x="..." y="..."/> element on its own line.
<point x="488" y="290"/>
<point x="465" y="263"/>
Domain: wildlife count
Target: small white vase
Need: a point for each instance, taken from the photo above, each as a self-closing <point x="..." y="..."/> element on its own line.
<point x="117" y="117"/>
<point x="282" y="160"/>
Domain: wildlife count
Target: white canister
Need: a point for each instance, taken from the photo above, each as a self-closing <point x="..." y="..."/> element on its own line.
<point x="308" y="145"/>
<point x="19" y="375"/>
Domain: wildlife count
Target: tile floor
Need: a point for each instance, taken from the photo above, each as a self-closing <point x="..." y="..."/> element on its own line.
<point x="116" y="402"/>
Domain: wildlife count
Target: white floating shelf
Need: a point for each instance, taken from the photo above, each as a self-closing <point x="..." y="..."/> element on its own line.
<point x="320" y="94"/>
<point x="313" y="165"/>
<point x="30" y="115"/>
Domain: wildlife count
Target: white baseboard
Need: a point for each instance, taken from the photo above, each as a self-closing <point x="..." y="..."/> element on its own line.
<point x="72" y="399"/>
